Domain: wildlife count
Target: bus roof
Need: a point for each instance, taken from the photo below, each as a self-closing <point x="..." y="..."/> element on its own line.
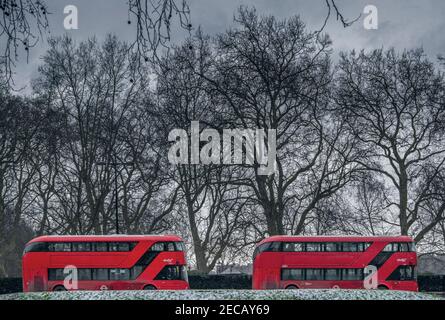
<point x="116" y="237"/>
<point x="337" y="239"/>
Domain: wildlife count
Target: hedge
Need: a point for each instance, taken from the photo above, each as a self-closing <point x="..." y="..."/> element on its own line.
<point x="431" y="283"/>
<point x="235" y="281"/>
<point x="11" y="285"/>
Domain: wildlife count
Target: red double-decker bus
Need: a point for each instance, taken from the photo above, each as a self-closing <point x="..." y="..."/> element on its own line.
<point x="117" y="262"/>
<point x="298" y="262"/>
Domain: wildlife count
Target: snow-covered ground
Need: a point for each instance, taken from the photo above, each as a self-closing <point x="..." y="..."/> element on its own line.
<point x="330" y="294"/>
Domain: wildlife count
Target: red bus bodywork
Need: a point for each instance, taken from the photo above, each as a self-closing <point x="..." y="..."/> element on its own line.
<point x="117" y="262"/>
<point x="276" y="266"/>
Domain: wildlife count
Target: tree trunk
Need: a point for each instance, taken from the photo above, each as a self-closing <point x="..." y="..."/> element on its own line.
<point x="403" y="201"/>
<point x="201" y="263"/>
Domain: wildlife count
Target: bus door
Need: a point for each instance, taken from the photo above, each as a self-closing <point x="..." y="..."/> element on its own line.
<point x="38" y="282"/>
<point x="271" y="278"/>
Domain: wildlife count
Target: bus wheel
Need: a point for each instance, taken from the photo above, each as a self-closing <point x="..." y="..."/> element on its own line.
<point x="149" y="287"/>
<point x="382" y="287"/>
<point x="59" y="288"/>
<point x="291" y="287"/>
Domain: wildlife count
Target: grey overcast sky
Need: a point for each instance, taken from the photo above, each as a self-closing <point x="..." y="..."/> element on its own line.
<point x="402" y="23"/>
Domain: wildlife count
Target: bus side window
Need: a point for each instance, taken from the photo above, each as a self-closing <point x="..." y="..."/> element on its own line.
<point x="36" y="247"/>
<point x="313" y="247"/>
<point x="81" y="246"/>
<point x="392" y="247"/>
<point x="404" y="247"/>
<point x="288" y="247"/>
<point x="171" y="273"/>
<point x="84" y="274"/>
<point x="332" y="274"/>
<point x="350" y="247"/>
<point x="158" y="246"/>
<point x="119" y="274"/>
<point x="119" y="246"/>
<point x="260" y="249"/>
<point x="55" y="274"/>
<point x="292" y="247"/>
<point x="100" y="274"/>
<point x="332" y="247"/>
<point x="179" y="246"/>
<point x="274" y="247"/>
<point x="61" y="247"/>
<point x="100" y="247"/>
<point x="292" y="274"/>
<point x="314" y="274"/>
<point x="352" y="274"/>
<point x="170" y="246"/>
<point x="113" y="246"/>
<point x="403" y="273"/>
<point x="123" y="246"/>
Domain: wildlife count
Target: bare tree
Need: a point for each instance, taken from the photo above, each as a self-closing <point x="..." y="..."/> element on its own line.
<point x="147" y="195"/>
<point x="18" y="125"/>
<point x="394" y="104"/>
<point x="22" y="23"/>
<point x="276" y="75"/>
<point x="361" y="208"/>
<point x="213" y="206"/>
<point x="25" y="22"/>
<point x="333" y="8"/>
<point x="154" y="19"/>
<point x="46" y="158"/>
<point x="95" y="87"/>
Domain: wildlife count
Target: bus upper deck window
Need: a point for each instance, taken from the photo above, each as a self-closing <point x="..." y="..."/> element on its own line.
<point x="288" y="247"/>
<point x="268" y="246"/>
<point x="403" y="247"/>
<point x="119" y="246"/>
<point x="331" y="247"/>
<point x="179" y="246"/>
<point x="82" y="246"/>
<point x="274" y="247"/>
<point x="36" y="247"/>
<point x="350" y="247"/>
<point x="100" y="247"/>
<point x="292" y="247"/>
<point x="60" y="247"/>
<point x="313" y="247"/>
<point x="113" y="246"/>
<point x="391" y="247"/>
<point x="124" y="246"/>
<point x="158" y="246"/>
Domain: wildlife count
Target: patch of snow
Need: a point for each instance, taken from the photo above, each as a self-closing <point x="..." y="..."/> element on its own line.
<point x="308" y="294"/>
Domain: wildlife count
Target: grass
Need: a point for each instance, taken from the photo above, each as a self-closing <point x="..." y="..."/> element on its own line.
<point x="314" y="294"/>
